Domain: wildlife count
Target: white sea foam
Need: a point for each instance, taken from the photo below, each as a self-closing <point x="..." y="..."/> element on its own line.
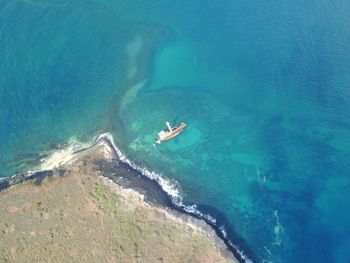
<point x="65" y="155"/>
<point x="192" y="209"/>
<point x="278" y="230"/>
<point x="26" y="174"/>
<point x="68" y="154"/>
<point x="172" y="190"/>
<point x="240" y="252"/>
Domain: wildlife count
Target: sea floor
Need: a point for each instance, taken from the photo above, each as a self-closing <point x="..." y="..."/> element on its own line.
<point x="262" y="85"/>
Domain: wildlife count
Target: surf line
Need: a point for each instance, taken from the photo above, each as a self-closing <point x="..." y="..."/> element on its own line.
<point x="171" y="192"/>
<point x="175" y="199"/>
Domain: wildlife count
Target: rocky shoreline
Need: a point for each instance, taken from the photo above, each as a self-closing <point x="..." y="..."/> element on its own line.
<point x="101" y="163"/>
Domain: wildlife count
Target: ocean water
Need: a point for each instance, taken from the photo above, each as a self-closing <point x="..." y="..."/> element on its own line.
<point x="263" y="85"/>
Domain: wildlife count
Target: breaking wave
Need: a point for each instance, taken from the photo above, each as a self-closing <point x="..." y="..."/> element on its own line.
<point x="69" y="152"/>
<point x="172" y="190"/>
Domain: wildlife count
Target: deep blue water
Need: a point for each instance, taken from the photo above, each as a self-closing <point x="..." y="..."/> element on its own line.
<point x="264" y="86"/>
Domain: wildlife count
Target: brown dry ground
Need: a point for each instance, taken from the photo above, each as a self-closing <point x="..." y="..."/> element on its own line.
<point x="81" y="217"/>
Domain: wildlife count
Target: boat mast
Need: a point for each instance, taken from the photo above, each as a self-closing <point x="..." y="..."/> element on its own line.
<point x="169" y="127"/>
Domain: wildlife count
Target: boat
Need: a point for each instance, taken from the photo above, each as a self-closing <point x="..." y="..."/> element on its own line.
<point x="171" y="132"/>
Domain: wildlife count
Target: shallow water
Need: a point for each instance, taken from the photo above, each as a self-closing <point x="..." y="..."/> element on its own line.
<point x="263" y="86"/>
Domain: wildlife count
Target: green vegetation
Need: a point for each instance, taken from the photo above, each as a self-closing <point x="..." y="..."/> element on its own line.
<point x="38" y="206"/>
<point x="50" y="178"/>
<point x="104" y="198"/>
<point x="81" y="217"/>
<point x="4" y="255"/>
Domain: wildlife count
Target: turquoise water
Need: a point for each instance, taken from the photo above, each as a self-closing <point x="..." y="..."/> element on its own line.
<point x="264" y="87"/>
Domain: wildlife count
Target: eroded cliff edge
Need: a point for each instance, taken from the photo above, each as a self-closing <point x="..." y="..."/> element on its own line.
<point x="74" y="213"/>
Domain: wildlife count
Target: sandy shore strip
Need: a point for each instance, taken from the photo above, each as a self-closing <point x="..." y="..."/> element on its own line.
<point x="73" y="213"/>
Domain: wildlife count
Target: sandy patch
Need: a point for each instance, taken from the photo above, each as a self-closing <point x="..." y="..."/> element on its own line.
<point x="12" y="209"/>
<point x="10" y="229"/>
<point x="83" y="217"/>
<point x="26" y="206"/>
<point x="63" y="156"/>
<point x="89" y="207"/>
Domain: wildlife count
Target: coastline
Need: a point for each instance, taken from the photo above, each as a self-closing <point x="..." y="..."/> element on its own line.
<point x="152" y="189"/>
